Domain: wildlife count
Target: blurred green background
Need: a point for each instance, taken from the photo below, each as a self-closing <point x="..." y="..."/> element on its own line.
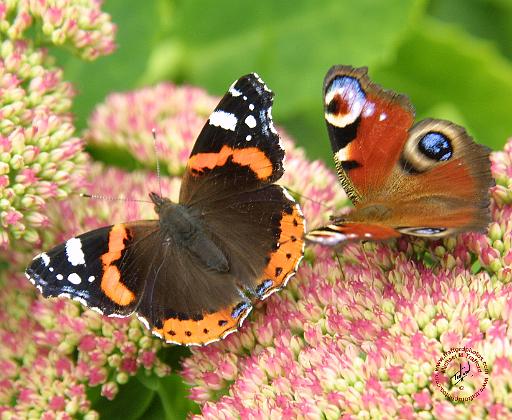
<point x="452" y="57"/>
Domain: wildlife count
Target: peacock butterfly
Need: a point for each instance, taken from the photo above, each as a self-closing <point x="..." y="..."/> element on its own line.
<point x="428" y="179"/>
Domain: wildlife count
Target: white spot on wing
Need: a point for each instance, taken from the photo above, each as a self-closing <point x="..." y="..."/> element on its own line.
<point x="51" y="269"/>
<point x="341" y="155"/>
<point x="368" y="109"/>
<point x="288" y="195"/>
<point x="59" y="277"/>
<point x="74" y="252"/>
<point x="234" y="91"/>
<point x="45" y="258"/>
<point x="91" y="279"/>
<point x="250" y="121"/>
<point x="79" y="299"/>
<point x="382" y="116"/>
<point x="114" y="315"/>
<point x="248" y="138"/>
<point x="262" y="82"/>
<point x="251" y="107"/>
<point x="271" y="121"/>
<point x="144" y="321"/>
<point x="30" y="279"/>
<point x="224" y="120"/>
<point x="74" y="278"/>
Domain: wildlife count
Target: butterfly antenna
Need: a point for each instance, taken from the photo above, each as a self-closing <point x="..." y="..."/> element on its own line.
<point x="153" y="131"/>
<point x="107" y="198"/>
<point x="339" y="265"/>
<point x="370" y="267"/>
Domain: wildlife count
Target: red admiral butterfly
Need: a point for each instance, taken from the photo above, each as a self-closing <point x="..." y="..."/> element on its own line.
<point x="233" y="236"/>
<point x="429" y="179"/>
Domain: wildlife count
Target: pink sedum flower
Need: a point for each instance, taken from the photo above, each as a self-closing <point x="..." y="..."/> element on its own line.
<point x="109" y="350"/>
<point x="78" y="24"/>
<point x="40" y="157"/>
<point x="360" y="338"/>
<point x="57" y="341"/>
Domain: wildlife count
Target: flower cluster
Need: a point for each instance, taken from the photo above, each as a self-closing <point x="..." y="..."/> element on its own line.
<point x="495" y="250"/>
<point x="79" y="25"/>
<point x="53" y="350"/>
<point x="51" y="332"/>
<point x="126" y="120"/>
<point x="40" y="158"/>
<point x="360" y="335"/>
<point x="39" y="155"/>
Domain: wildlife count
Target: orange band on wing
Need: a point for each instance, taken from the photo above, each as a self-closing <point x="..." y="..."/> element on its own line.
<point x="251" y="157"/>
<point x="212" y="327"/>
<point x="284" y="261"/>
<point x="111" y="279"/>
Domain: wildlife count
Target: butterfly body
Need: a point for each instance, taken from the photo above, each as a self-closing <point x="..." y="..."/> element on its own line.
<point x="233" y="236"/>
<point x="427" y="179"/>
<point x="181" y="228"/>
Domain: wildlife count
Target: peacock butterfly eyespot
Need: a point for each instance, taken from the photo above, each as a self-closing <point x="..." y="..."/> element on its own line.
<point x="344" y="101"/>
<point x="436" y="146"/>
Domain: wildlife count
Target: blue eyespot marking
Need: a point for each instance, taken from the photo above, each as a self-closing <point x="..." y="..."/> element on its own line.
<point x="427" y="231"/>
<point x="263" y="287"/>
<point x="351" y="94"/>
<point x="436" y="146"/>
<point x="241" y="307"/>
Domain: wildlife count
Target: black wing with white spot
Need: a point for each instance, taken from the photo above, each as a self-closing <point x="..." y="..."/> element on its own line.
<point x="238" y="149"/>
<point x="101" y="269"/>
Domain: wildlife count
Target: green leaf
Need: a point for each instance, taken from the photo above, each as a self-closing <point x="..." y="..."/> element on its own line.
<point x="171" y="401"/>
<point x="156" y="411"/>
<point x="130" y="403"/>
<point x="441" y="68"/>
<point x="291" y="45"/>
<point x="173" y="395"/>
<point x="489" y="19"/>
<point x="122" y="69"/>
<point x="172" y="355"/>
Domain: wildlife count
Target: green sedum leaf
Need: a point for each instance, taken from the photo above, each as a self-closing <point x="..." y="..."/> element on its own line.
<point x="291" y="45"/>
<point x="440" y="67"/>
<point x="130" y="403"/>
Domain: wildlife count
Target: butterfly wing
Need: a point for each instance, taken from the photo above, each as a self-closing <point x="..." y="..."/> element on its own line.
<point x="430" y="179"/>
<point x="229" y="180"/>
<point x="238" y="148"/>
<point x="261" y="234"/>
<point x="97" y="268"/>
<point x="125" y="268"/>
